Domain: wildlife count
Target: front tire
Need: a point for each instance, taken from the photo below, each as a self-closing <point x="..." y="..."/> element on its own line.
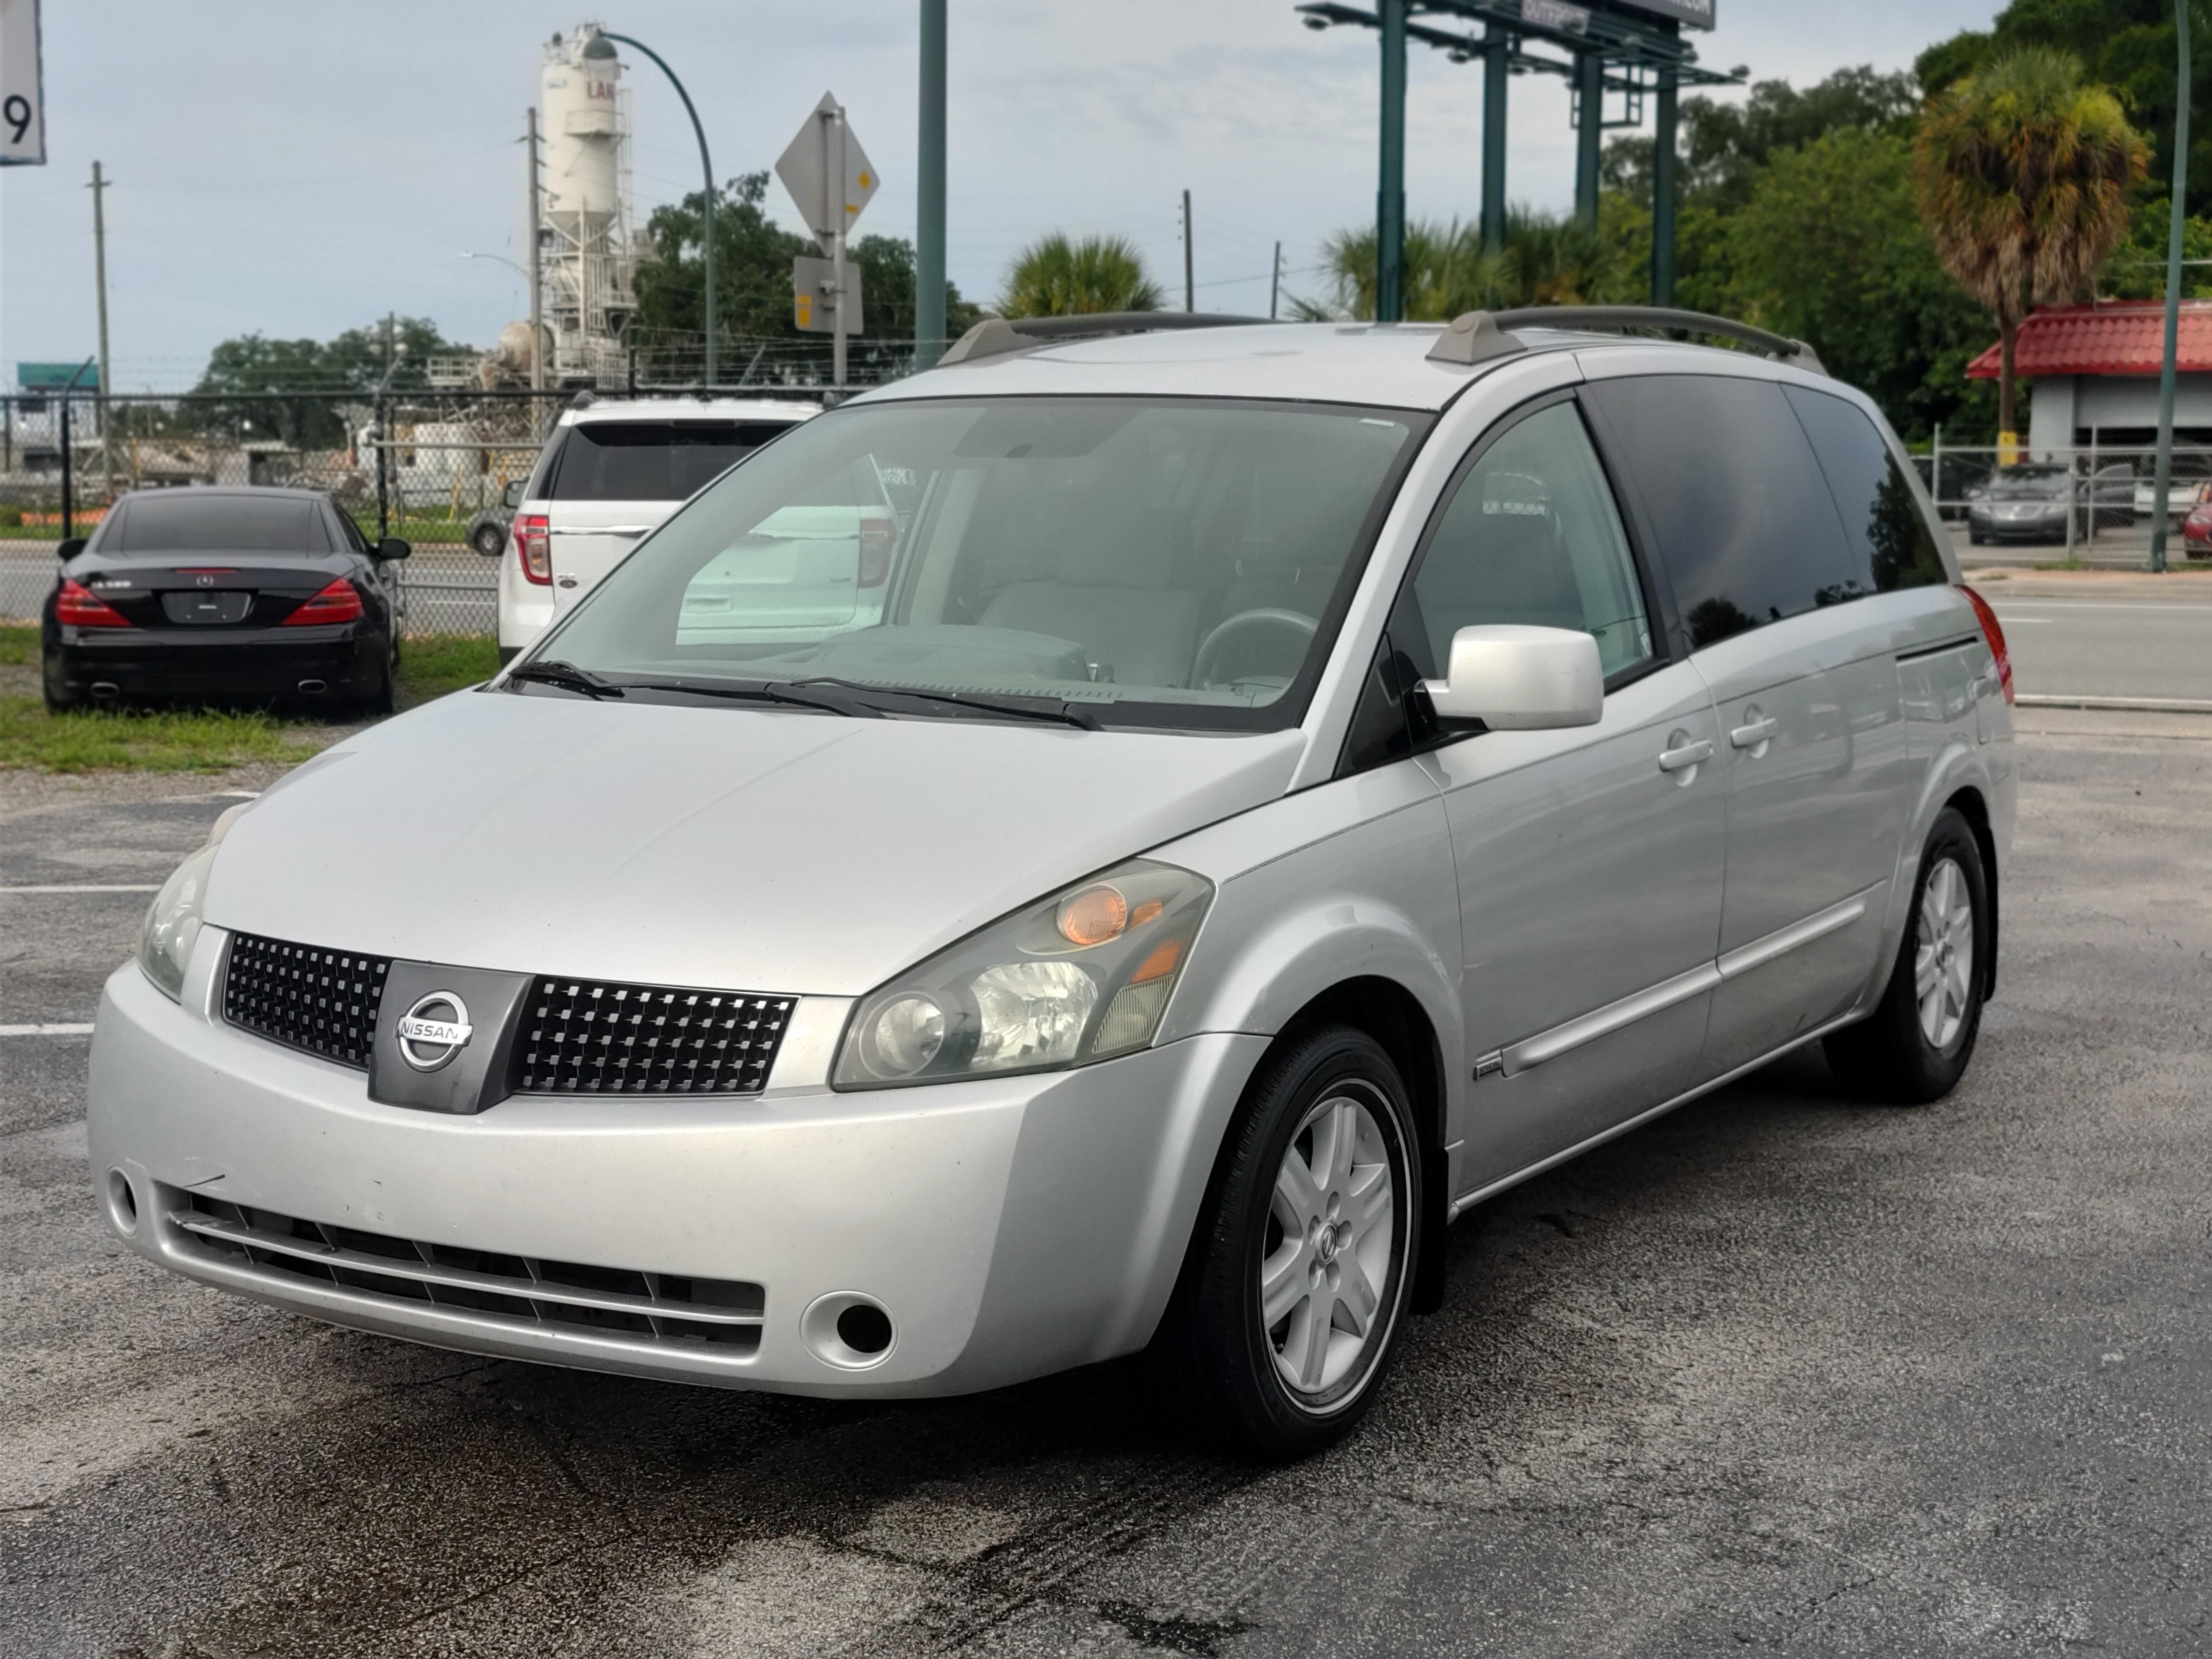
<point x="1301" y="1264"/>
<point x="1914" y="1047"/>
<point x="489" y="540"/>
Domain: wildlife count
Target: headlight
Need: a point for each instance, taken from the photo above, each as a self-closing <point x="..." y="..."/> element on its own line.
<point x="1082" y="975"/>
<point x="172" y="923"/>
<point x="172" y="920"/>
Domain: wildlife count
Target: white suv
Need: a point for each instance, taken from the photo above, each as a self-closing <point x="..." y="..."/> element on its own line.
<point x="611" y="473"/>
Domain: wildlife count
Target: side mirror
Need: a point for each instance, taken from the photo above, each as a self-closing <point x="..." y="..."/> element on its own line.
<point x="511" y="497"/>
<point x="1514" y="679"/>
<point x="392" y="546"/>
<point x="70" y="548"/>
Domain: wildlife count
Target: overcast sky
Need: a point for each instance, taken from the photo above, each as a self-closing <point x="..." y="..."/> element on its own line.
<point x="300" y="168"/>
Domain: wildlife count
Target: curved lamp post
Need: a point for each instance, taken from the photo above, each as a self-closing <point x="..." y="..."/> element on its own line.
<point x="597" y="47"/>
<point x="2164" y="465"/>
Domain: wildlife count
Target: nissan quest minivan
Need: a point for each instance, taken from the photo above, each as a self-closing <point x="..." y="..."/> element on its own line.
<point x="1111" y="843"/>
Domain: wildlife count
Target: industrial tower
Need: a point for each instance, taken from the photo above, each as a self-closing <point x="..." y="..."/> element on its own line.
<point x="589" y="248"/>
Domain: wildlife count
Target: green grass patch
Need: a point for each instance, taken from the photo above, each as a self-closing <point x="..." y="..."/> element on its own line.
<point x="165" y="740"/>
<point x="431" y="666"/>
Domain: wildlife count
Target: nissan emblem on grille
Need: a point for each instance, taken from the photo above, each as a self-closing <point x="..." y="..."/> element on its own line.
<point x="433" y="1031"/>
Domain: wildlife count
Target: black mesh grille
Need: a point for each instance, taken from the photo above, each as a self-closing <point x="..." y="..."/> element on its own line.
<point x="580" y="1036"/>
<point x="323" y="1002"/>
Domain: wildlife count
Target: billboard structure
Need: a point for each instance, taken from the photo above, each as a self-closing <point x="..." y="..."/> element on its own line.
<point x="1622" y="51"/>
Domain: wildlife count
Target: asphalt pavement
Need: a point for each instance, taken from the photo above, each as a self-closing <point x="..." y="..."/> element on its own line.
<point x="1780" y="1373"/>
<point x="2112" y="647"/>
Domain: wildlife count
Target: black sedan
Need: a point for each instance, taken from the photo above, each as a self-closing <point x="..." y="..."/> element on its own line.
<point x="254" y="596"/>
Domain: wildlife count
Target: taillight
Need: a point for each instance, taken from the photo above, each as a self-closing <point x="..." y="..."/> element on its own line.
<point x="80" y="607"/>
<point x="1993" y="633"/>
<point x="878" y="535"/>
<point x="338" y="603"/>
<point x="532" y="545"/>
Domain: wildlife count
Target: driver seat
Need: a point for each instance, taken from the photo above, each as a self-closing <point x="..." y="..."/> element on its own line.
<point x="1110" y="593"/>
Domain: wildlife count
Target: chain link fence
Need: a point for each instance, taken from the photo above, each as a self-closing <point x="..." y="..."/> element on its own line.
<point x="2093" y="504"/>
<point x="431" y="467"/>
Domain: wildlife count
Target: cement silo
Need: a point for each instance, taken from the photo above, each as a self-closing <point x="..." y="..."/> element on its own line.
<point x="589" y="246"/>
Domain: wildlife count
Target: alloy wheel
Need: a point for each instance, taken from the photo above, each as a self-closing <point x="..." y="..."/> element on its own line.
<point x="1332" y="1232"/>
<point x="1943" y="963"/>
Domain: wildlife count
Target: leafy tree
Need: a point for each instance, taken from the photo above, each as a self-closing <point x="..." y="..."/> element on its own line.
<point x="757" y="333"/>
<point x="247" y="378"/>
<point x="1828" y="250"/>
<point x="1054" y="277"/>
<point x="1721" y="146"/>
<point x="2126" y="45"/>
<point x="2136" y="270"/>
<point x="2022" y="172"/>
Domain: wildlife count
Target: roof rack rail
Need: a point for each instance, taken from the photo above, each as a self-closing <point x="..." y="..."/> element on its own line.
<point x="1476" y="337"/>
<point x="995" y="337"/>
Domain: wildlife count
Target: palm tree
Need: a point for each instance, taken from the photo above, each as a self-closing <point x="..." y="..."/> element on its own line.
<point x="1547" y="260"/>
<point x="2023" y="172"/>
<point x="1056" y="277"/>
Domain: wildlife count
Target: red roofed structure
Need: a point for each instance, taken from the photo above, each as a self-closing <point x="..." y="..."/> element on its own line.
<point x="2093" y="369"/>
<point x="2113" y="336"/>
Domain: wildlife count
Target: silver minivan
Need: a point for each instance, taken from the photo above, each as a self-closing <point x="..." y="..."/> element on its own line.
<point x="1111" y="844"/>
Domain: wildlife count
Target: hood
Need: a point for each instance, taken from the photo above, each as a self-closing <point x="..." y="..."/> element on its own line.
<point x="724" y="847"/>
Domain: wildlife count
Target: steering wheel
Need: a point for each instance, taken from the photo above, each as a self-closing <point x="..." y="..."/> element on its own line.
<point x="1230" y="628"/>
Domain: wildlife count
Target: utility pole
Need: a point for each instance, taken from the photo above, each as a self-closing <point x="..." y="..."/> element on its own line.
<point x="1390" y="196"/>
<point x="1662" y="191"/>
<point x="2164" y="470"/>
<point x="929" y="194"/>
<point x="1189" y="286"/>
<point x="1497" y="69"/>
<point x="1590" y="134"/>
<point x="1275" y="285"/>
<point x="536" y="270"/>
<point x="99" y="279"/>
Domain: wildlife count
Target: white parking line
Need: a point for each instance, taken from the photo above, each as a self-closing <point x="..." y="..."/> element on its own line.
<point x="45" y="1030"/>
<point x="82" y="888"/>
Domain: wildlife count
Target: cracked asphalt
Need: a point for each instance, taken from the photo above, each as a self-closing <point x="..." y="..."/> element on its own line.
<point x="1779" y="1374"/>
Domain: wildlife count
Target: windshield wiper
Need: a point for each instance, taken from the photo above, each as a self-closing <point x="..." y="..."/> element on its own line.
<point x="771" y="691"/>
<point x="1060" y="713"/>
<point x="566" y="676"/>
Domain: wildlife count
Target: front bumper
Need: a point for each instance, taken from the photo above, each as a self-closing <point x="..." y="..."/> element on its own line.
<point x="1009" y="1227"/>
<point x="263" y="665"/>
<point x="2041" y="527"/>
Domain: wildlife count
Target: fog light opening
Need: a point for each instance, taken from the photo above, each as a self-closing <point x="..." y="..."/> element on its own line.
<point x="847" y="1330"/>
<point x="122" y="1202"/>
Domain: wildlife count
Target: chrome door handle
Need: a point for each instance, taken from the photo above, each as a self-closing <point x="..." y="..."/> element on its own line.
<point x="1690" y="754"/>
<point x="1751" y="736"/>
<point x="629" y="529"/>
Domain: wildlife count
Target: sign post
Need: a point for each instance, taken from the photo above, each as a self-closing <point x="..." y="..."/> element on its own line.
<point x="23" y="94"/>
<point x="831" y="180"/>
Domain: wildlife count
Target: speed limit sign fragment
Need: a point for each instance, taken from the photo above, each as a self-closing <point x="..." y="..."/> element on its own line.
<point x="22" y="102"/>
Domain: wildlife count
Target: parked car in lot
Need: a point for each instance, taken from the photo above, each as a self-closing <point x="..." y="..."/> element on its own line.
<point x="611" y="471"/>
<point x="488" y="531"/>
<point x="247" y="595"/>
<point x="2029" y="503"/>
<point x="2196" y="527"/>
<point x="2184" y="486"/>
<point x="1255" y="796"/>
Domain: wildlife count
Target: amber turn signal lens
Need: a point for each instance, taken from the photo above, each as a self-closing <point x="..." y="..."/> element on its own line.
<point x="1159" y="964"/>
<point x="1094" y="915"/>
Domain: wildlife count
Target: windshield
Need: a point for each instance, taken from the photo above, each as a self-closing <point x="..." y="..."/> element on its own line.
<point x="1180" y="563"/>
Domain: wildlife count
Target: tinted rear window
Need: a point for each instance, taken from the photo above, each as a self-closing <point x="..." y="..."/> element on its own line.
<point x="1884" y="529"/>
<point x="649" y="460"/>
<point x="186" y="521"/>
<point x="1737" y="502"/>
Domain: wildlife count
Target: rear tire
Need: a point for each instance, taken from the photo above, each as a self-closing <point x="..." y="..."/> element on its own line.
<point x="51" y="681"/>
<point x="1301" y="1264"/>
<point x="1915" y="1046"/>
<point x="489" y="540"/>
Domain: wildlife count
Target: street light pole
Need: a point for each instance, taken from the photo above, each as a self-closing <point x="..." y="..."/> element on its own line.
<point x="706" y="163"/>
<point x="2165" y="369"/>
<point x="1390" y="196"/>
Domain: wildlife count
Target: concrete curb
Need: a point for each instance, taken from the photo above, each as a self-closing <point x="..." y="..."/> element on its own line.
<point x="2133" y="705"/>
